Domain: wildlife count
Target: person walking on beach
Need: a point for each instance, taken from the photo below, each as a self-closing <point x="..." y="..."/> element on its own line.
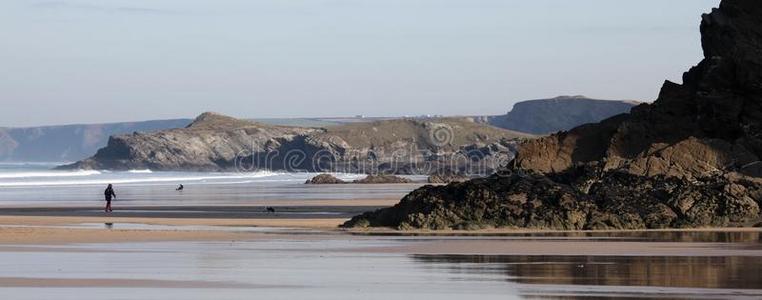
<point x="109" y="193"/>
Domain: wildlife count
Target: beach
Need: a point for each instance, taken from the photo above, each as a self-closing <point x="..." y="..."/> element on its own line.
<point x="216" y="238"/>
<point x="192" y="252"/>
<point x="389" y="150"/>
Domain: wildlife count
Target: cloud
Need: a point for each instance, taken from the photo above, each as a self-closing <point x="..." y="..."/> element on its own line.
<point x="71" y="5"/>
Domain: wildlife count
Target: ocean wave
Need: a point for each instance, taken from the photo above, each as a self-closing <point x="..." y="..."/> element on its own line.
<point x="146" y="171"/>
<point x="33" y="163"/>
<point x="137" y="178"/>
<point x="37" y="174"/>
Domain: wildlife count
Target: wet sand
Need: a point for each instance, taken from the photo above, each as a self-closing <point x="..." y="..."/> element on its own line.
<point x="11" y="282"/>
<point x="315" y="223"/>
<point x="42" y="225"/>
<point x="318" y="209"/>
<point x="558" y="247"/>
<point x="60" y="225"/>
<point x="330" y="265"/>
<point x="375" y="202"/>
<point x="45" y="231"/>
<point x="52" y="235"/>
<point x="30" y="230"/>
<point x="193" y="252"/>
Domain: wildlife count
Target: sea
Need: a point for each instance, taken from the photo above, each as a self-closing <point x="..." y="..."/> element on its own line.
<point x="32" y="184"/>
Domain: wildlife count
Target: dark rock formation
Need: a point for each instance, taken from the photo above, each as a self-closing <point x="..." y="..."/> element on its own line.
<point x="325" y="179"/>
<point x="616" y="200"/>
<point x="546" y="116"/>
<point x="370" y="179"/>
<point x="69" y="142"/>
<point x="382" y="179"/>
<point x="214" y="142"/>
<point x="710" y="123"/>
<point x="692" y="158"/>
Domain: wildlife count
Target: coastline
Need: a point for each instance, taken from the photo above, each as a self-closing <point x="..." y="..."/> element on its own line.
<point x="61" y="225"/>
<point x="164" y="242"/>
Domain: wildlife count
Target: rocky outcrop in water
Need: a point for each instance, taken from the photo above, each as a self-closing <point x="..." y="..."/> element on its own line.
<point x="690" y="159"/>
<point x="370" y="179"/>
<point x="215" y="142"/>
<point x="382" y="179"/>
<point x="325" y="179"/>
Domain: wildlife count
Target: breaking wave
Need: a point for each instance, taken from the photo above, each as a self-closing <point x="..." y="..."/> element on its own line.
<point x="84" y="177"/>
<point x="38" y="174"/>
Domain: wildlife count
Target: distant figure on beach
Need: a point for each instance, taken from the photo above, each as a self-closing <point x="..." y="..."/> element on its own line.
<point x="180" y="188"/>
<point x="109" y="193"/>
<point x="270" y="209"/>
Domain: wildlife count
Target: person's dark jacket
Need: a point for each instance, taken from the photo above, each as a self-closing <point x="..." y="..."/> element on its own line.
<point x="109" y="193"/>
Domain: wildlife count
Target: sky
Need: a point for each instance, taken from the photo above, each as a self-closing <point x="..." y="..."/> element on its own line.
<point x="78" y="61"/>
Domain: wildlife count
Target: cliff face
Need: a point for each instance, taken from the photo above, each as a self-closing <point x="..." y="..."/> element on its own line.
<point x="214" y="142"/>
<point x="69" y="142"/>
<point x="210" y="142"/>
<point x="547" y="116"/>
<point x="709" y="123"/>
<point x="689" y="159"/>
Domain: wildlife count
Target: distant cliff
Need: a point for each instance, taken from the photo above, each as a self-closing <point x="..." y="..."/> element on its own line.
<point x="546" y="116"/>
<point x="214" y="142"/>
<point x="69" y="142"/>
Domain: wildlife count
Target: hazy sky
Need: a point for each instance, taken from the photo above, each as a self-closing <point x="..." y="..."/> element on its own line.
<point x="78" y="61"/>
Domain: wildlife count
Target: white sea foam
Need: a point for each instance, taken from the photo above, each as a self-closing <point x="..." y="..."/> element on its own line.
<point x="64" y="178"/>
<point x="37" y="174"/>
<point x="33" y="163"/>
<point x="41" y="176"/>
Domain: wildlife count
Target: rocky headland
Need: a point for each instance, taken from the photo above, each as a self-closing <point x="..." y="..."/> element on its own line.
<point x="690" y="159"/>
<point x="214" y="142"/>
